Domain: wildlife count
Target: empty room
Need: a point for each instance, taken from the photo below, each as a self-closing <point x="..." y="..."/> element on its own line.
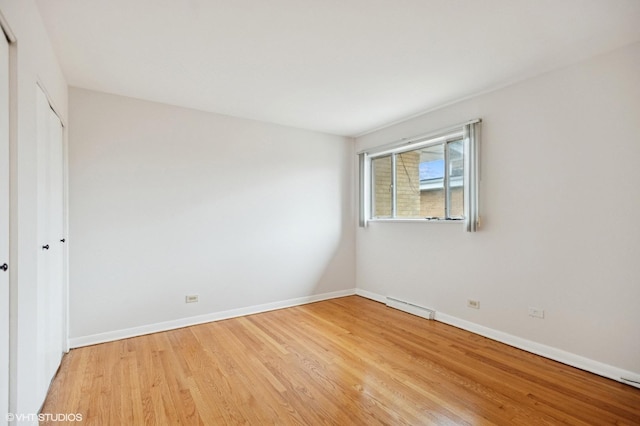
<point x="320" y="212"/>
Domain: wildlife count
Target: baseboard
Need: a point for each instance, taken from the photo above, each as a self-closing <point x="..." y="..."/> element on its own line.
<point x="110" y="336"/>
<point x="410" y="308"/>
<point x="549" y="352"/>
<point x="370" y="295"/>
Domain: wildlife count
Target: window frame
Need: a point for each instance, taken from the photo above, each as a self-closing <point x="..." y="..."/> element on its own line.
<point x="467" y="133"/>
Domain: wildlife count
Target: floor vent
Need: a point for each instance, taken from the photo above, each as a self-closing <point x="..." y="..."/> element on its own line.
<point x="411" y="308"/>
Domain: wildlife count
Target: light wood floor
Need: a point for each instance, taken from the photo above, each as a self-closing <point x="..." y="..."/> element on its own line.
<point x="347" y="361"/>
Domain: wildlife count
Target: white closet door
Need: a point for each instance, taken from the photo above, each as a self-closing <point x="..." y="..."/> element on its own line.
<point x="50" y="285"/>
<point x="4" y="227"/>
<point x="55" y="320"/>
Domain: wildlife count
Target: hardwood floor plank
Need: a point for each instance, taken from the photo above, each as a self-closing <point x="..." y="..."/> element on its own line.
<point x="347" y="361"/>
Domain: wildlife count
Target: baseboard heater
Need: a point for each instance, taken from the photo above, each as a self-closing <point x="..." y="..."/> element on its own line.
<point x="420" y="311"/>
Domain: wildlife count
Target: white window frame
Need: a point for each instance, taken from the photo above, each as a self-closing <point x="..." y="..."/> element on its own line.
<point x="467" y="132"/>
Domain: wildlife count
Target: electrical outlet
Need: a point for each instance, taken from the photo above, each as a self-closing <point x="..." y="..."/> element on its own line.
<point x="475" y="304"/>
<point x="191" y="298"/>
<point x="536" y="312"/>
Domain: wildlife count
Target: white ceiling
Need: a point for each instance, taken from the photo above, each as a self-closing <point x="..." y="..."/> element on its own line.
<point x="336" y="66"/>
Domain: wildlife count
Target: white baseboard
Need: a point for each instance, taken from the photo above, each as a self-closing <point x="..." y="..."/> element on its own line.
<point x="555" y="354"/>
<point x="550" y="352"/>
<point x="370" y="295"/>
<point x="416" y="310"/>
<point x="110" y="336"/>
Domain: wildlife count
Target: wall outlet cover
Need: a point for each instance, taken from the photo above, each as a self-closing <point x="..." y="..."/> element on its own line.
<point x="475" y="304"/>
<point x="536" y="312"/>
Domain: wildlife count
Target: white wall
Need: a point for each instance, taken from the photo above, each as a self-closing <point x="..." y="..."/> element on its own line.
<point x="32" y="61"/>
<point x="167" y="201"/>
<point x="560" y="203"/>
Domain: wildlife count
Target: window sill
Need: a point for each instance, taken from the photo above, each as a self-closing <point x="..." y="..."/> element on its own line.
<point x="459" y="221"/>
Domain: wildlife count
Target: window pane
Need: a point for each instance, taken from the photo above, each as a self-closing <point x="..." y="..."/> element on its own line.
<point x="427" y="182"/>
<point x="431" y="172"/>
<point x="381" y="180"/>
<point x="408" y="184"/>
<point x="456" y="184"/>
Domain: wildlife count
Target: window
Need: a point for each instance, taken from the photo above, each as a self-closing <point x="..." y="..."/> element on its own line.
<point x="432" y="177"/>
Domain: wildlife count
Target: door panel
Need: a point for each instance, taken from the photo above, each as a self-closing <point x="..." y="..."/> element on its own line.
<point x="55" y="300"/>
<point x="4" y="227"/>
<point x="50" y="287"/>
